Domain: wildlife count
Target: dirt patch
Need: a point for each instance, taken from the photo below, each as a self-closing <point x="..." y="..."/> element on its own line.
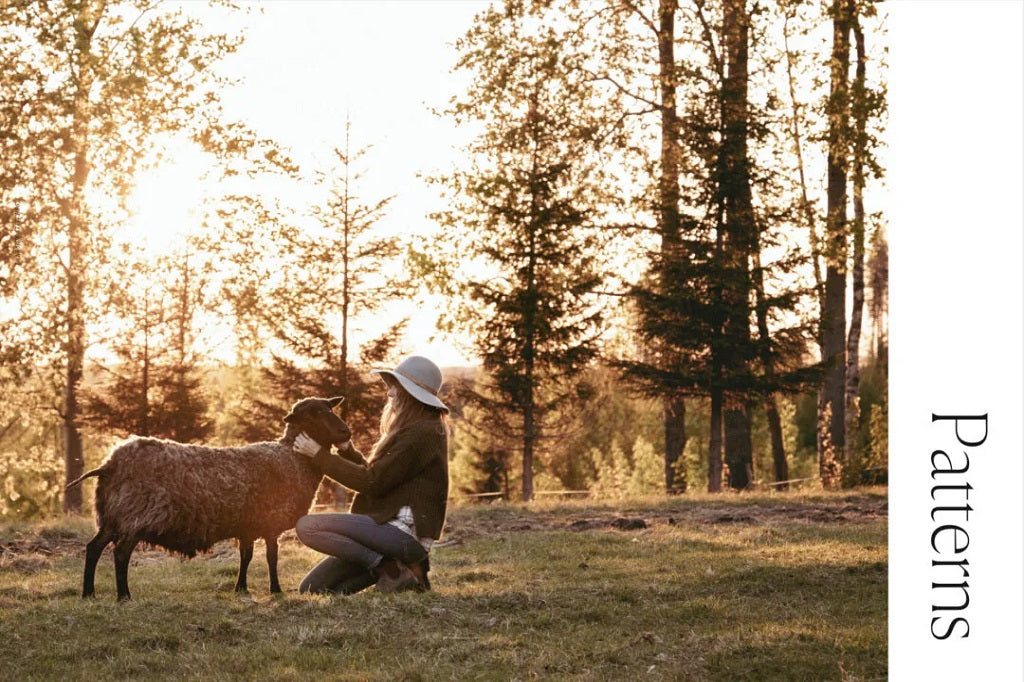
<point x="32" y="551"/>
<point x="40" y="544"/>
<point x="469" y="523"/>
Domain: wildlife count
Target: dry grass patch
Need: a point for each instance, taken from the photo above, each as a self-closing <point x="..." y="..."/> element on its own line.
<point x="774" y="591"/>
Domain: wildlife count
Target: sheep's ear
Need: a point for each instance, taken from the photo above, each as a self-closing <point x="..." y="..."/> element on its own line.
<point x="289" y="418"/>
<point x="334" y="402"/>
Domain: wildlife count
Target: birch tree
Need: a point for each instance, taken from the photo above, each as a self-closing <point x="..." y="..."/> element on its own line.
<point x="86" y="85"/>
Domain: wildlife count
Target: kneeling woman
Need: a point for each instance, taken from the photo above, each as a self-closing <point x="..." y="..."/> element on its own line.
<point x="401" y="492"/>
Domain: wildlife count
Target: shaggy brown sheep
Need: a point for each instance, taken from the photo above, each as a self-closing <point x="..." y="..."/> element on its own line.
<point x="184" y="497"/>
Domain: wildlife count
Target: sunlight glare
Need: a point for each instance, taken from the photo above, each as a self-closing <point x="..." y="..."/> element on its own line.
<point x="165" y="205"/>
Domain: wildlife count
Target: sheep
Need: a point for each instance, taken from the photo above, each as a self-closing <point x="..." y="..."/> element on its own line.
<point x="184" y="497"/>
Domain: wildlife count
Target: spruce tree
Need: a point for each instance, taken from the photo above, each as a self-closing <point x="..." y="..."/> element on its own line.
<point x="523" y="209"/>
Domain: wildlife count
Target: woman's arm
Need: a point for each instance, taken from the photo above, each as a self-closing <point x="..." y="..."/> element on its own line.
<point x="408" y="454"/>
<point x="351" y="454"/>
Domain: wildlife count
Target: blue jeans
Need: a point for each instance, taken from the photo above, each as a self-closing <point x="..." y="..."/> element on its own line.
<point x="355" y="544"/>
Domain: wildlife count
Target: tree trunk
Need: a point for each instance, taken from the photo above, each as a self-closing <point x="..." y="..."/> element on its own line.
<point x="673" y="406"/>
<point x="768" y="364"/>
<point x="668" y="184"/>
<point x="181" y="371"/>
<point x="528" y="443"/>
<point x="734" y="178"/>
<point x="675" y="444"/>
<point x="336" y="493"/>
<point x="715" y="443"/>
<point x="738" y="450"/>
<point x="75" y="215"/>
<point x="346" y="302"/>
<point x="778" y="446"/>
<point x="833" y="392"/>
<point x="878" y="265"/>
<point x="857" y="311"/>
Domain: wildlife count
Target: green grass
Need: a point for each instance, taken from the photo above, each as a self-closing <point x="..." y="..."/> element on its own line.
<point x="751" y="587"/>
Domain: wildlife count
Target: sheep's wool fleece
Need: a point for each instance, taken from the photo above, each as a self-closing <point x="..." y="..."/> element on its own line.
<point x="187" y="497"/>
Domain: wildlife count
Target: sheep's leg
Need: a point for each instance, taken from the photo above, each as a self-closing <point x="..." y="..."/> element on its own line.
<point x="272" y="564"/>
<point x="245" y="550"/>
<point x="123" y="549"/>
<point x="93" y="550"/>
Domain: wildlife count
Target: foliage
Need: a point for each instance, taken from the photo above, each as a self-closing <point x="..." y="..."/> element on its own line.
<point x="621" y="475"/>
<point x="868" y="460"/>
<point x="480" y="459"/>
<point x="559" y="200"/>
<point x="29" y="469"/>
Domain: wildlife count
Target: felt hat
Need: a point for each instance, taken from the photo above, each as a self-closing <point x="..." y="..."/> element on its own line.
<point x="420" y="377"/>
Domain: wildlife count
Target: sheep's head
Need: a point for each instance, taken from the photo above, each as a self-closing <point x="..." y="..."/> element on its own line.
<point x="316" y="417"/>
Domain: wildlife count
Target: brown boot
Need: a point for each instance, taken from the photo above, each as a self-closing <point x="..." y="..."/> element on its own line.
<point x="395" y="576"/>
<point x="420" y="571"/>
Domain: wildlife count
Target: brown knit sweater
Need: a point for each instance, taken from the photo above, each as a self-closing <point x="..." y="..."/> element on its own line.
<point x="410" y="468"/>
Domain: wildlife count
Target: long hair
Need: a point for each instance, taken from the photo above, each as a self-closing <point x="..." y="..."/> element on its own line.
<point x="403" y="410"/>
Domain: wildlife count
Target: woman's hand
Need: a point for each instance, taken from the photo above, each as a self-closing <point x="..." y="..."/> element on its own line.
<point x="304" y="445"/>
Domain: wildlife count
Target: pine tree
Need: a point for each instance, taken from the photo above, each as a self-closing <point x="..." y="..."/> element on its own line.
<point x="523" y="207"/>
<point x="297" y="315"/>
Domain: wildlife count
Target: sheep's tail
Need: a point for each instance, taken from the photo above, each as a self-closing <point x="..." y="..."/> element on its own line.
<point x="87" y="474"/>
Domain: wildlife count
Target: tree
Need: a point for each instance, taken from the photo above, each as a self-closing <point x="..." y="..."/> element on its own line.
<point x="298" y="311"/>
<point x="674" y="405"/>
<point x="878" y="269"/>
<point x="866" y="104"/>
<point x="482" y="451"/>
<point x="523" y="208"/>
<point x="833" y="321"/>
<point x="846" y="124"/>
<point x="154" y="385"/>
<point x="635" y="58"/>
<point x="88" y="85"/>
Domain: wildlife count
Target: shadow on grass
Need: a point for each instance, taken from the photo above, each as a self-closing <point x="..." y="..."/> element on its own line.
<point x="800" y="659"/>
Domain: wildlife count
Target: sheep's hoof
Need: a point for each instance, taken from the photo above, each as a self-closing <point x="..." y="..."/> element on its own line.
<point x="121" y="598"/>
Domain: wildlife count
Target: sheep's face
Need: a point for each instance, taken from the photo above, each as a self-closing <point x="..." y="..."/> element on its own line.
<point x="316" y="417"/>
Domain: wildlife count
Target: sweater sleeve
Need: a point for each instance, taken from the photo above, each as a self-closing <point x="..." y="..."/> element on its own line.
<point x="352" y="455"/>
<point x="407" y="455"/>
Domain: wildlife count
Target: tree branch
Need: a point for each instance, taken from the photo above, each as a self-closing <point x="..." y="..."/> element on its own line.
<point x="636" y="10"/>
<point x="709" y="39"/>
<point x="623" y="89"/>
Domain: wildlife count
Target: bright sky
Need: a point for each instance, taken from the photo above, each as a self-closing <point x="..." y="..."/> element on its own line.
<point x="305" y="66"/>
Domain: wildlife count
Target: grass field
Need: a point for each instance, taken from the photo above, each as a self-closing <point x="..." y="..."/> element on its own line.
<point x="783" y="586"/>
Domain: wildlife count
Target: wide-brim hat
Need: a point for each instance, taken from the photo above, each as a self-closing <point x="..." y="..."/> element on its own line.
<point x="420" y="377"/>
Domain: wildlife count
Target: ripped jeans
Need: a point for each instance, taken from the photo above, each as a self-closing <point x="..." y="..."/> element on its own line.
<point x="355" y="544"/>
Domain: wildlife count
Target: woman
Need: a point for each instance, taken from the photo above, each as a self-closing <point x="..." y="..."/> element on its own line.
<point x="401" y="492"/>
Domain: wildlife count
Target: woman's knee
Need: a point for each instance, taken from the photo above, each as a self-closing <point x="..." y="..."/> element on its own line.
<point x="304" y="527"/>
